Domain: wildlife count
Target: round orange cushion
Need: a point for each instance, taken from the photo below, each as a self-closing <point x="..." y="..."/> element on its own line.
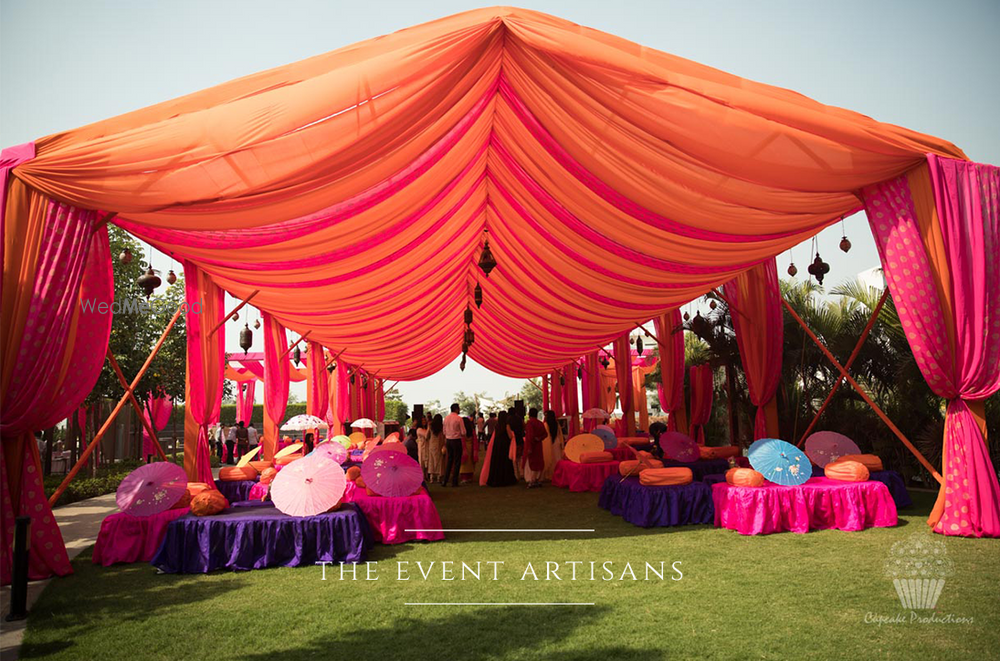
<point x="260" y="466"/>
<point x="595" y="457"/>
<point x="846" y="471"/>
<point x="662" y="477"/>
<point x="744" y="477"/>
<point x="635" y="466"/>
<point x="208" y="503"/>
<point x="870" y="461"/>
<point x="184" y="502"/>
<point x="359" y="482"/>
<point x="268" y="475"/>
<point x="353" y="473"/>
<point x="235" y="473"/>
<point x="287" y="459"/>
<point x="195" y="488"/>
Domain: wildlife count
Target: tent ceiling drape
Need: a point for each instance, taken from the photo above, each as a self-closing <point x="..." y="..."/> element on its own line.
<point x="353" y="188"/>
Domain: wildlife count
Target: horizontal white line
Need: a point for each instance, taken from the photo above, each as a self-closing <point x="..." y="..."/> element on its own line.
<point x="499" y="530"/>
<point x="488" y="603"/>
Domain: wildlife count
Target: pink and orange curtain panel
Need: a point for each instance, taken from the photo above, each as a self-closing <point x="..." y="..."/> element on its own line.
<point x="937" y="229"/>
<point x="245" y="393"/>
<point x="157" y="413"/>
<point x="276" y="371"/>
<point x="317" y="382"/>
<point x="670" y="390"/>
<point x="623" y="373"/>
<point x="702" y="392"/>
<point x="206" y="356"/>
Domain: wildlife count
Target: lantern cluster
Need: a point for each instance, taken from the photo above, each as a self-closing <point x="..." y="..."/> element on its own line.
<point x="468" y="337"/>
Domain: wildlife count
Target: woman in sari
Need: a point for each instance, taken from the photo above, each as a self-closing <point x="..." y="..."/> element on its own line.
<point x="498" y="469"/>
<point x="421" y="426"/>
<point x="435" y="450"/>
<point x="552" y="445"/>
<point x="470" y="452"/>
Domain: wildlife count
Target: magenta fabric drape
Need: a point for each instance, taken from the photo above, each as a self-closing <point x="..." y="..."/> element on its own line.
<point x="245" y="394"/>
<point x="623" y="372"/>
<point x="380" y="401"/>
<point x="318" y="398"/>
<point x="157" y="412"/>
<point x="757" y="314"/>
<point x="276" y="380"/>
<point x="942" y="271"/>
<point x="701" y="400"/>
<point x="670" y="345"/>
<point x="571" y="402"/>
<point x="62" y="349"/>
<point x="591" y="387"/>
<point x="343" y="395"/>
<point x="545" y="392"/>
<point x="205" y="369"/>
<point x="555" y="394"/>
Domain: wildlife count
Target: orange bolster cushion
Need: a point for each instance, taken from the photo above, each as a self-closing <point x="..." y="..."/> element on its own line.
<point x="595" y="457"/>
<point x="287" y="459"/>
<point x="208" y="503"/>
<point x="744" y="477"/>
<point x="353" y="473"/>
<point x="195" y="488"/>
<point x="662" y="477"/>
<point x="846" y="471"/>
<point x="235" y="473"/>
<point x="870" y="461"/>
<point x="643" y="455"/>
<point x="260" y="466"/>
<point x="724" y="452"/>
<point x="359" y="482"/>
<point x="635" y="466"/>
<point x="268" y="475"/>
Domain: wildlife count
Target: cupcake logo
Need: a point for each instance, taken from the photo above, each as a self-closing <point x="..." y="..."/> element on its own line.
<point x="918" y="567"/>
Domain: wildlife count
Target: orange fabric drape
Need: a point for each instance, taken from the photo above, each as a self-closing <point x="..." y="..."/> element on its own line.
<point x="275" y="383"/>
<point x="317" y="382"/>
<point x="639" y="399"/>
<point x="623" y="375"/>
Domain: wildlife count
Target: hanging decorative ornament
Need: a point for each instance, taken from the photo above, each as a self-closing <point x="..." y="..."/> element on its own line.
<point x="297" y="355"/>
<point x="236" y="316"/>
<point x="579" y="372"/>
<point x="486" y="261"/>
<point x="562" y="380"/>
<point x="792" y="270"/>
<point x="819" y="269"/>
<point x="461" y="365"/>
<point x="845" y="244"/>
<point x="246" y="339"/>
<point x="171" y="277"/>
<point x="331" y="367"/>
<point x="468" y="316"/>
<point x="148" y="281"/>
<point x="712" y="304"/>
<point x="465" y="348"/>
<point x="631" y="340"/>
<point x="125" y="256"/>
<point x="687" y="317"/>
<point x="352" y="379"/>
<point x="638" y="345"/>
<point x="256" y="323"/>
<point x="699" y="324"/>
<point x="364" y="382"/>
<point x="477" y="295"/>
<point x="470" y="337"/>
<point x="605" y="362"/>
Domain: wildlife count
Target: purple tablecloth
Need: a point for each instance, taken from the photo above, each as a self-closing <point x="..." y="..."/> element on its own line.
<point x="700" y="468"/>
<point x="261" y="536"/>
<point x="235" y="490"/>
<point x="657" y="506"/>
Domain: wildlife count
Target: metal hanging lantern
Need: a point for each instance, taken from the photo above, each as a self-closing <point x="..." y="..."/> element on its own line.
<point x="470" y="337"/>
<point x="845" y="244"/>
<point x="331" y="367"/>
<point x="461" y="365"/>
<point x="256" y="323"/>
<point x="819" y="269"/>
<point x="125" y="256"/>
<point x="364" y="383"/>
<point x="486" y="261"/>
<point x="699" y="324"/>
<point x="562" y="380"/>
<point x="605" y="362"/>
<point x="792" y="270"/>
<point x="246" y="339"/>
<point x="468" y="316"/>
<point x="638" y="345"/>
<point x="297" y="355"/>
<point x="712" y="304"/>
<point x="171" y="277"/>
<point x="148" y="281"/>
<point x="235" y="316"/>
<point x="352" y="379"/>
<point x="579" y="372"/>
<point x="687" y="316"/>
<point x="477" y="295"/>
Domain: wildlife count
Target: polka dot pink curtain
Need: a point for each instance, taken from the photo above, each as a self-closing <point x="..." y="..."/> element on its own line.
<point x="938" y="233"/>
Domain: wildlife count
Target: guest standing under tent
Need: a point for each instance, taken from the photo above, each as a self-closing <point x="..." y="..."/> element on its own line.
<point x="420" y="424"/>
<point x="454" y="430"/>
<point x="410" y="443"/>
<point x="242" y="440"/>
<point x="516" y="424"/>
<point x="435" y="450"/>
<point x="253" y="436"/>
<point x="533" y="458"/>
<point x="231" y="445"/>
<point x="491" y="426"/>
<point x="498" y="470"/>
<point x="481" y="426"/>
<point x="470" y="452"/>
<point x="552" y="446"/>
<point x="308" y="443"/>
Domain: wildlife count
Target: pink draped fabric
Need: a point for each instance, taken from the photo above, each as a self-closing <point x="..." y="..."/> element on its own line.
<point x="157" y="413"/>
<point x="339" y="399"/>
<point x="380" y="401"/>
<point x="758" y="320"/>
<point x="702" y="391"/>
<point x="245" y="394"/>
<point x="582" y="477"/>
<point x="591" y="387"/>
<point x="571" y="399"/>
<point x="276" y="372"/>
<point x="57" y="362"/>
<point x="546" y="400"/>
<point x="819" y="504"/>
<point x="317" y="398"/>
<point x="623" y="372"/>
<point x="555" y="394"/>
<point x="124" y="538"/>
<point x="670" y="390"/>
<point x="938" y="235"/>
<point x="397" y="520"/>
<point x="206" y="356"/>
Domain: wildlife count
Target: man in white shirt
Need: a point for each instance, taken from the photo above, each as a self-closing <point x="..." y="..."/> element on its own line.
<point x="454" y="429"/>
<point x="252" y="432"/>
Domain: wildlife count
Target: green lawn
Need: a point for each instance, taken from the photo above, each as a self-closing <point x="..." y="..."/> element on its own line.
<point x="777" y="597"/>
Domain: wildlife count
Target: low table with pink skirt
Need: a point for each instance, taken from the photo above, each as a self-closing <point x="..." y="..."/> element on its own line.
<point x="398" y="520"/>
<point x="583" y="477"/>
<point x="127" y="538"/>
<point x="819" y="504"/>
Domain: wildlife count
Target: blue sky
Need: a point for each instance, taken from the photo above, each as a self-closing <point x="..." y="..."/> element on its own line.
<point x="929" y="66"/>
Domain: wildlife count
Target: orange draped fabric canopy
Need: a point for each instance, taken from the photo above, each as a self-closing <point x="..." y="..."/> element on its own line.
<point x="353" y="188"/>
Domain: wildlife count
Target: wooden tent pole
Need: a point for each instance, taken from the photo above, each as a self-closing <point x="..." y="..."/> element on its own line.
<point x="111" y="418"/>
<point x="864" y="395"/>
<point x="847" y="365"/>
<point x="330" y="362"/>
<point x="233" y="311"/>
<point x="147" y="425"/>
<point x="651" y="336"/>
<point x="294" y="344"/>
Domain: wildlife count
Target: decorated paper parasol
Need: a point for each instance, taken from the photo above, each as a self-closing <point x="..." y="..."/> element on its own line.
<point x="334" y="451"/>
<point x="308" y="487"/>
<point x="363" y="423"/>
<point x="606" y="435"/>
<point x="151" y="489"/>
<point x="826" y="446"/>
<point x="287" y="450"/>
<point x="358" y="438"/>
<point x="779" y="462"/>
<point x="393" y="437"/>
<point x="248" y="457"/>
<point x="595" y="414"/>
<point x="394" y="446"/>
<point x="304" y="422"/>
<point x="343" y="440"/>
<point x="391" y="473"/>
<point x="607" y="427"/>
<point x="679" y="447"/>
<point x="582" y="443"/>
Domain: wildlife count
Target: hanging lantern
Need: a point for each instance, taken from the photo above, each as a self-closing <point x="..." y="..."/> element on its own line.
<point x="331" y="367"/>
<point x="638" y="345"/>
<point x="468" y="316"/>
<point x="478" y="296"/>
<point x="699" y="324"/>
<point x="562" y="380"/>
<point x="171" y="277"/>
<point x="819" y="269"/>
<point x="352" y="380"/>
<point x="246" y="339"/>
<point x="605" y="362"/>
<point x="125" y="256"/>
<point x="148" y="281"/>
<point x="236" y="316"/>
<point x="579" y="372"/>
<point x="256" y="324"/>
<point x="470" y="337"/>
<point x="486" y="261"/>
<point x="687" y="317"/>
<point x="297" y="355"/>
<point x="461" y="365"/>
<point x="845" y="244"/>
<point x="792" y="270"/>
<point x="631" y="340"/>
<point x="712" y="304"/>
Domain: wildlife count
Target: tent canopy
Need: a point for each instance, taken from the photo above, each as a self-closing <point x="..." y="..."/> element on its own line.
<point x="355" y="188"/>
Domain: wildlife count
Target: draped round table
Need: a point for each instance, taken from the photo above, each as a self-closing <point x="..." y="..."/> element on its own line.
<point x="819" y="504"/>
<point x="235" y="490"/>
<point x="261" y="536"/>
<point x="127" y="538"/>
<point x="583" y="477"/>
<point x="657" y="506"/>
<point x="398" y="520"/>
<point x="891" y="479"/>
<point x="623" y="453"/>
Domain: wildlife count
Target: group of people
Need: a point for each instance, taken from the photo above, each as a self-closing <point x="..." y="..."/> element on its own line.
<point x="233" y="442"/>
<point x="447" y="447"/>
<point x="522" y="449"/>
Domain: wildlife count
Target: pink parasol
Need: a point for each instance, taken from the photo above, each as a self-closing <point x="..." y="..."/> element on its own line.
<point x="331" y="450"/>
<point x="391" y="473"/>
<point x="826" y="446"/>
<point x="308" y="486"/>
<point x="151" y="489"/>
<point x="679" y="447"/>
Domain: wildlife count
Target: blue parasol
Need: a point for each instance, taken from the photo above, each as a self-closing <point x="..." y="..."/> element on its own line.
<point x="780" y="462"/>
<point x="610" y="441"/>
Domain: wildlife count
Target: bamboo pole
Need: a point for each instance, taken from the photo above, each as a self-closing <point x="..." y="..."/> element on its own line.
<point x="104" y="220"/>
<point x="651" y="336"/>
<point x="330" y="362"/>
<point x="111" y="418"/>
<point x="294" y="344"/>
<point x="854" y="384"/>
<point x="147" y="425"/>
<point x="233" y="311"/>
<point x="847" y="365"/>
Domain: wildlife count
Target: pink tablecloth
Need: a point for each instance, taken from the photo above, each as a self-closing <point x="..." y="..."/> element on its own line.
<point x="819" y="504"/>
<point x="623" y="453"/>
<point x="583" y="477"/>
<point x="395" y="520"/>
<point x="127" y="538"/>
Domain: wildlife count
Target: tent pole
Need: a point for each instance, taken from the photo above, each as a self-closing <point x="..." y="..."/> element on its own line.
<point x="847" y="365"/>
<point x="330" y="362"/>
<point x="104" y="220"/>
<point x="536" y="386"/>
<point x="293" y="344"/>
<point x="729" y="305"/>
<point x="111" y="418"/>
<point x="233" y="311"/>
<point x="147" y="425"/>
<point x="651" y="336"/>
<point x="864" y="395"/>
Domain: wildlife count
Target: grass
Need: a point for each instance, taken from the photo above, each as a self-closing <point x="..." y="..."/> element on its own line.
<point x="782" y="596"/>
